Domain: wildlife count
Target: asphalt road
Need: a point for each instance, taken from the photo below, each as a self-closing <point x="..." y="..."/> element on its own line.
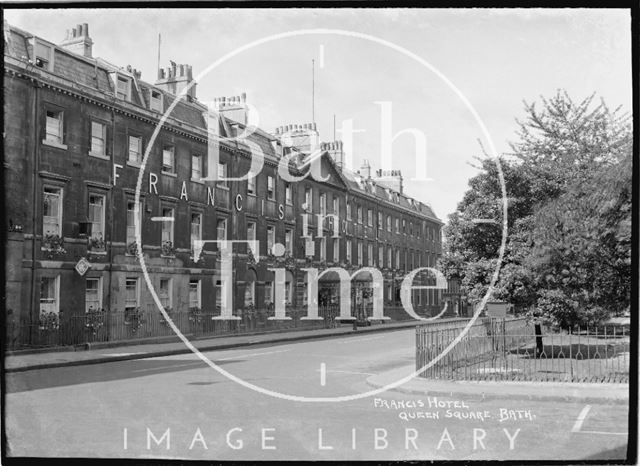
<point x="124" y="409"/>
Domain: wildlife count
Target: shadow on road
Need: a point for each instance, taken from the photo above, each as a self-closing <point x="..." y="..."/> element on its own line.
<point x="74" y="375"/>
<point x="613" y="454"/>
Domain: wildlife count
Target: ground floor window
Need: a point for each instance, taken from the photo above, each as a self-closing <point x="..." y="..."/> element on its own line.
<point x="93" y="294"/>
<point x="132" y="296"/>
<point x="49" y="294"/>
<point x="194" y="294"/>
<point x="164" y="293"/>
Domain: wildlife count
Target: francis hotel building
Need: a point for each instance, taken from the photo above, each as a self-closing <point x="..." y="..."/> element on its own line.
<point x="76" y="129"/>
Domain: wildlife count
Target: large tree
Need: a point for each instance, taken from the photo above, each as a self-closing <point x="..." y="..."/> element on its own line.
<point x="582" y="246"/>
<point x="474" y="232"/>
<point x="568" y="184"/>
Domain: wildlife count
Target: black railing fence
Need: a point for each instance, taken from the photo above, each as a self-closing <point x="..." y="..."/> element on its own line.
<point x="513" y="349"/>
<point x="137" y="324"/>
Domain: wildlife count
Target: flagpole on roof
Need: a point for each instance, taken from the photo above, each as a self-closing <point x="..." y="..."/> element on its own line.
<point x="158" y="68"/>
<point x="313" y="91"/>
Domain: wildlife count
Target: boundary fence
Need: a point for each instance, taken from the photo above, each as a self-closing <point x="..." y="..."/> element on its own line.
<point x="514" y="349"/>
<point x="52" y="330"/>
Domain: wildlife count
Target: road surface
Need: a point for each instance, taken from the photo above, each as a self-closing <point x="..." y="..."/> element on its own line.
<point x="178" y="407"/>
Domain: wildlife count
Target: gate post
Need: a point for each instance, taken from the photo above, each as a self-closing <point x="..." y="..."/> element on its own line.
<point x="539" y="345"/>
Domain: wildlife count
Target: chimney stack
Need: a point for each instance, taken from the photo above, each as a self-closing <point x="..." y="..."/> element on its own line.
<point x="303" y="137"/>
<point x="391" y="179"/>
<point x="235" y="107"/>
<point x="175" y="78"/>
<point x="335" y="151"/>
<point x="365" y="169"/>
<point x="78" y="41"/>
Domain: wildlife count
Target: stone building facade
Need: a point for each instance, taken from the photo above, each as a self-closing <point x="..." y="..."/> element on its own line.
<point x="76" y="131"/>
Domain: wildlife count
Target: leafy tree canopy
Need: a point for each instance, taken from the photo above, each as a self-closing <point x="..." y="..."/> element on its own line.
<point x="568" y="186"/>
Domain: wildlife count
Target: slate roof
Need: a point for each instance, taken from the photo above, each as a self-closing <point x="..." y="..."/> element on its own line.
<point x="356" y="182"/>
<point x="95" y="73"/>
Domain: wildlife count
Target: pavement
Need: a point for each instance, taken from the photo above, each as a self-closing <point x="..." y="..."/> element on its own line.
<point x="29" y="360"/>
<point x="607" y="393"/>
<point x="477" y="390"/>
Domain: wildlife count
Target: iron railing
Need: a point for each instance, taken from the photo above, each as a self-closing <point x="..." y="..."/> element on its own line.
<point x="138" y="324"/>
<point x="512" y="349"/>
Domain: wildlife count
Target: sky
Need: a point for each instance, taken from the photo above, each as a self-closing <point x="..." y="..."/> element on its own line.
<point x="458" y="62"/>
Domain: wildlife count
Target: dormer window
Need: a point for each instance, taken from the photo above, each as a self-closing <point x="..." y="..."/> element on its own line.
<point x="123" y="87"/>
<point x="42" y="54"/>
<point x="156" y="101"/>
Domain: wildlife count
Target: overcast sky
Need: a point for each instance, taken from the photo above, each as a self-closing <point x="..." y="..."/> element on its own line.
<point x="496" y="58"/>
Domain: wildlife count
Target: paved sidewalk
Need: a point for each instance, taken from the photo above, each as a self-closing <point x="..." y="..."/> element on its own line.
<point x="45" y="360"/>
<point x="608" y="393"/>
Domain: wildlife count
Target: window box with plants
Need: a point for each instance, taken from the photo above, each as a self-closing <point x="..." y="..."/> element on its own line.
<point x="251" y="260"/>
<point x="97" y="245"/>
<point x="167" y="249"/>
<point x="289" y="260"/>
<point x="132" y="248"/>
<point x="53" y="244"/>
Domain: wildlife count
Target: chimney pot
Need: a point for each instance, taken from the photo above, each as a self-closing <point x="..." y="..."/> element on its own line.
<point x="244" y="97"/>
<point x="85" y="28"/>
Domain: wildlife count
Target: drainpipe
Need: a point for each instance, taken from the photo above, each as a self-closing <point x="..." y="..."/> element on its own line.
<point x="113" y="161"/>
<point x="36" y="166"/>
